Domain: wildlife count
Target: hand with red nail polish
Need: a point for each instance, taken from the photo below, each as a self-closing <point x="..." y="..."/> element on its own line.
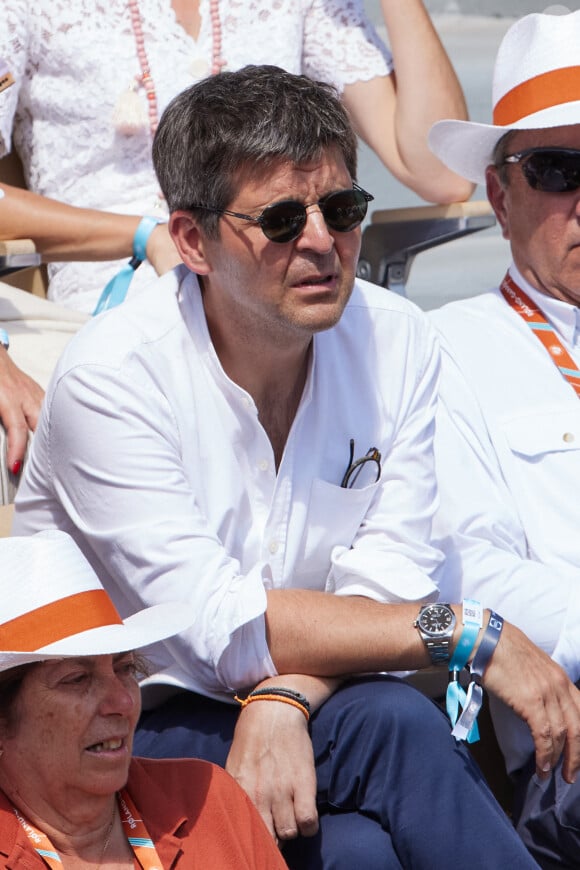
<point x="20" y="401"/>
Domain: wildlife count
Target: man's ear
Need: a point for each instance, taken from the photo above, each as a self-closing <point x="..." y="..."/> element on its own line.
<point x="189" y="241"/>
<point x="497" y="193"/>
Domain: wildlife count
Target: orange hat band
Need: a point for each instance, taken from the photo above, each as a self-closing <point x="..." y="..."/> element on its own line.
<point x="58" y="620"/>
<point x="540" y="92"/>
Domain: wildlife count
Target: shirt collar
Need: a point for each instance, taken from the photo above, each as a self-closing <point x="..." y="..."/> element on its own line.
<point x="564" y="317"/>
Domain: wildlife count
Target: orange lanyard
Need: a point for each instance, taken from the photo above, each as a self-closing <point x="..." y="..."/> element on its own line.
<point x="137" y="835"/>
<point x="544" y="331"/>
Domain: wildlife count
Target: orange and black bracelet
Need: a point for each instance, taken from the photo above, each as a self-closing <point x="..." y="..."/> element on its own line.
<point x="276" y="693"/>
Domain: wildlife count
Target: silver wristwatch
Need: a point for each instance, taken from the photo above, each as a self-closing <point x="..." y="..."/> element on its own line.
<point x="436" y="623"/>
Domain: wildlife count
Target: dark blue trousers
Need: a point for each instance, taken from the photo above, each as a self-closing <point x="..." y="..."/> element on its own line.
<point x="547" y="817"/>
<point x="395" y="790"/>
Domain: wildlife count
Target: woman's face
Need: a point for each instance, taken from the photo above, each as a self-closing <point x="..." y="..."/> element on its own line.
<point x="71" y="735"/>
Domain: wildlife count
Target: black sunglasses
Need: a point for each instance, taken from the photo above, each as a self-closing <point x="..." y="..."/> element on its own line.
<point x="343" y="211"/>
<point x="552" y="170"/>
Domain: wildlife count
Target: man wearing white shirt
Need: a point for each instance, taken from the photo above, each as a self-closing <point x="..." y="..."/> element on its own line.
<point x="508" y="430"/>
<point x="254" y="434"/>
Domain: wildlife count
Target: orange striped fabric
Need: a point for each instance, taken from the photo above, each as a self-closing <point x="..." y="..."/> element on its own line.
<point x="540" y="92"/>
<point x="57" y="620"/>
<point x="544" y="332"/>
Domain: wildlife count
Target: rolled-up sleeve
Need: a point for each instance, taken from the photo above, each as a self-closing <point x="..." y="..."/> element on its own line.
<point x="116" y="467"/>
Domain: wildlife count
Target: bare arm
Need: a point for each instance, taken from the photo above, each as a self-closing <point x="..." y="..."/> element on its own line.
<point x="393" y="114"/>
<point x="271" y="757"/>
<point x="64" y="232"/>
<point x="329" y="635"/>
<point x="316" y="633"/>
<point x="61" y="232"/>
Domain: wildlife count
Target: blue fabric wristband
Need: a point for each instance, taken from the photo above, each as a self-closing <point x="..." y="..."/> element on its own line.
<point x="141" y="237"/>
<point x="486" y="648"/>
<point x="464" y="646"/>
<point x="116" y="289"/>
<point x="474" y="697"/>
<point x="456" y="697"/>
<point x="4" y="339"/>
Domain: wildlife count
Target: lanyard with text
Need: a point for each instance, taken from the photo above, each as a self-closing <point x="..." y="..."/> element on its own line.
<point x="544" y="332"/>
<point x="137" y="835"/>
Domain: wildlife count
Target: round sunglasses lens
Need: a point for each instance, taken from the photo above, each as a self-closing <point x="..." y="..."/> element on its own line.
<point x="553" y="171"/>
<point x="283" y="222"/>
<point x="345" y="210"/>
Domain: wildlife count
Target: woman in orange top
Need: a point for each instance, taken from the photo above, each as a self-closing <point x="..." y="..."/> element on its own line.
<point x="70" y="794"/>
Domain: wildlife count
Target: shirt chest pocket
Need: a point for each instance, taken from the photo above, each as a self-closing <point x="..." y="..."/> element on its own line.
<point x="537" y="435"/>
<point x="333" y="518"/>
<point x="542" y="470"/>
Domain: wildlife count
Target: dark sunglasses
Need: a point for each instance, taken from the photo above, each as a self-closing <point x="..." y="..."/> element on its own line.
<point x="343" y="211"/>
<point x="552" y="170"/>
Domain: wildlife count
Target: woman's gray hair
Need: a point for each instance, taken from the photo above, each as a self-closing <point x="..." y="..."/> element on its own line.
<point x="232" y="126"/>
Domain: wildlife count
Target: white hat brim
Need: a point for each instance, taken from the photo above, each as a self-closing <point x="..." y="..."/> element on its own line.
<point x="467" y="147"/>
<point x="139" y="630"/>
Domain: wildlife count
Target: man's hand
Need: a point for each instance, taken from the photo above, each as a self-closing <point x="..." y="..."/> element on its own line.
<point x="20" y="400"/>
<point x="271" y="757"/>
<point x="540" y="692"/>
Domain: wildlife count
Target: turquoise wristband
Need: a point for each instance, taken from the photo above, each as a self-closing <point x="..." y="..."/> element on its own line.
<point x="456" y="697"/>
<point x="116" y="290"/>
<point x="4" y="339"/>
<point x="141" y="237"/>
<point x="464" y="646"/>
<point x="474" y="697"/>
<point x="472" y="612"/>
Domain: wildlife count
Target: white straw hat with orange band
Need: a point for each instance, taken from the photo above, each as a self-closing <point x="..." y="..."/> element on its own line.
<point x="53" y="606"/>
<point x="536" y="85"/>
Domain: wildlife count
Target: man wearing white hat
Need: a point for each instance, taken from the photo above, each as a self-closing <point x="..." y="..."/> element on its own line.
<point x="509" y="418"/>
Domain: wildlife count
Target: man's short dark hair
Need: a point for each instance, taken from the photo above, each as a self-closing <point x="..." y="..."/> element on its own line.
<point x="232" y="126"/>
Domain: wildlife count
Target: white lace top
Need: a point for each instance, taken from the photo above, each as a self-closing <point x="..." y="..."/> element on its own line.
<point x="71" y="60"/>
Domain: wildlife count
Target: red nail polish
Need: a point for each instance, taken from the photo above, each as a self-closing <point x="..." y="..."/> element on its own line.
<point x="17" y="466"/>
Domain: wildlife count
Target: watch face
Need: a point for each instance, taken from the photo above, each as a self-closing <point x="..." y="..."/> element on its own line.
<point x="437" y="619"/>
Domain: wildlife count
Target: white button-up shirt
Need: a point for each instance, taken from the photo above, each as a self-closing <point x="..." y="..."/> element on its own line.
<point x="156" y="462"/>
<point x="508" y="460"/>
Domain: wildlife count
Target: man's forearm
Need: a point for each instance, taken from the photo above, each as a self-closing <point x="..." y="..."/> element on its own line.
<point x="332" y="636"/>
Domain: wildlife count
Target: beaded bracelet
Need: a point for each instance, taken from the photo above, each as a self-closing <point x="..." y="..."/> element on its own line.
<point x="275" y="693"/>
<point x="478" y="667"/>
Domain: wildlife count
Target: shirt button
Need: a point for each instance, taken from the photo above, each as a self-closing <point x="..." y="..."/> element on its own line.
<point x="263" y="465"/>
<point x="568" y="437"/>
<point x="273" y="547"/>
